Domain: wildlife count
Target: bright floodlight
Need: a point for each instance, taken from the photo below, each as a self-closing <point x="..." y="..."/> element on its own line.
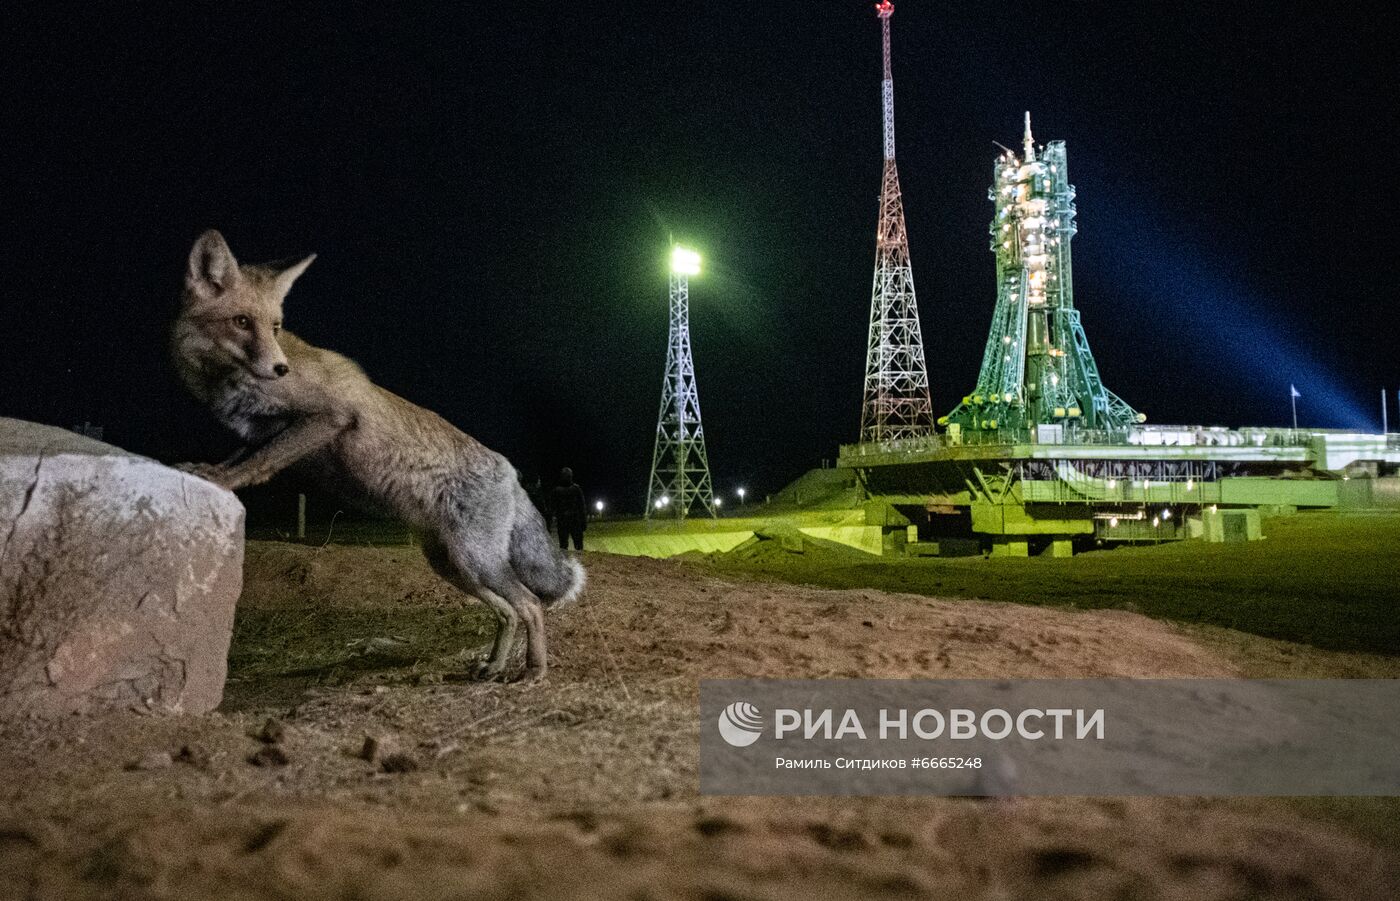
<point x="719" y="502"/>
<point x="598" y="506"/>
<point x="684" y="261"/>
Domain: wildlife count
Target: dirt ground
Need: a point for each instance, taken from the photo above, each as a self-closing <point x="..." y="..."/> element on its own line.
<point x="586" y="785"/>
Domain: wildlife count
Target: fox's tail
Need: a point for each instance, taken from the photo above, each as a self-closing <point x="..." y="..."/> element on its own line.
<point x="554" y="577"/>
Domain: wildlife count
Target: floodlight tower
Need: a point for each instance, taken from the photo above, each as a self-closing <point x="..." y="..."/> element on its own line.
<point x="1037" y="369"/>
<point x="680" y="468"/>
<point x="896" y="403"/>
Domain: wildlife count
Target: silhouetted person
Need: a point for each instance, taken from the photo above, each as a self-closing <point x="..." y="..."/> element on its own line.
<point x="570" y="510"/>
<point x="534" y="490"/>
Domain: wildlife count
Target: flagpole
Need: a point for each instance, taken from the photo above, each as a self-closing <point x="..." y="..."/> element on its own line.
<point x="1293" y="399"/>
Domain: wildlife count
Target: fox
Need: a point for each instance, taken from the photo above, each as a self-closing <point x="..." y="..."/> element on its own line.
<point x="296" y="405"/>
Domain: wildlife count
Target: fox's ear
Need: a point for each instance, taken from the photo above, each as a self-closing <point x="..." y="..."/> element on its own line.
<point x="292" y="273"/>
<point x="212" y="269"/>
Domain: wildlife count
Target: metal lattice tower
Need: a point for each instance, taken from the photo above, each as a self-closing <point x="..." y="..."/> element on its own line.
<point x="896" y="402"/>
<point x="680" y="468"/>
<point x="1037" y="368"/>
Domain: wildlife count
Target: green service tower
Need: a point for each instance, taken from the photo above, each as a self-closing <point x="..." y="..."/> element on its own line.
<point x="1038" y="375"/>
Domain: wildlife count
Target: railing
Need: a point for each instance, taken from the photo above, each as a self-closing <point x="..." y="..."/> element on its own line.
<point x="1150" y="436"/>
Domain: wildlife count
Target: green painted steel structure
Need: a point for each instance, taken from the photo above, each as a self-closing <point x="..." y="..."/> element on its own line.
<point x="1041" y="457"/>
<point x="1037" y="368"/>
<point x="1149" y="483"/>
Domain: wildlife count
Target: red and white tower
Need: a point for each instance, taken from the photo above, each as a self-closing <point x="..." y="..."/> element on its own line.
<point x="896" y="403"/>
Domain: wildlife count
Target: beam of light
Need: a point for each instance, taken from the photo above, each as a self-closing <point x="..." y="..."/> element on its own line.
<point x="1217" y="317"/>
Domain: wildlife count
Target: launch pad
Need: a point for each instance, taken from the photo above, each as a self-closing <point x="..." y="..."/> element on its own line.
<point x="1018" y="492"/>
<point x="1041" y="457"/>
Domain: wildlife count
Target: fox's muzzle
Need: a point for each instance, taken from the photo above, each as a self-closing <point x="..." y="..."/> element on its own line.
<point x="265" y="357"/>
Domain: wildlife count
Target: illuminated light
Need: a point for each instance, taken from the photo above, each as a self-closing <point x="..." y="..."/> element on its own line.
<point x="1166" y="514"/>
<point x="1112" y="483"/>
<point x="657" y="505"/>
<point x="1190" y="484"/>
<point x="741" y="492"/>
<point x="684" y="261"/>
<point x="665" y="501"/>
<point x="1113" y="523"/>
<point x="1006" y="339"/>
<point x="719" y="502"/>
<point x="598" y="505"/>
<point x="1214" y="508"/>
<point x="1156" y="522"/>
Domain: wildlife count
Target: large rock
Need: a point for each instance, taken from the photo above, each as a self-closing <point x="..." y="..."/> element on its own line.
<point x="118" y="578"/>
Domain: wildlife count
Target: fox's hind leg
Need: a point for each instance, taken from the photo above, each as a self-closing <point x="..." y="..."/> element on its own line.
<point x="506" y="620"/>
<point x="532" y="618"/>
<point x="528" y="612"/>
<point x="450" y="567"/>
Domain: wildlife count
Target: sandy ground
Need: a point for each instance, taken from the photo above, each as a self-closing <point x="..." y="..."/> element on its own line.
<point x="586" y="786"/>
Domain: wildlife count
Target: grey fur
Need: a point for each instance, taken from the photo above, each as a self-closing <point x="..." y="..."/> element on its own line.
<point x="296" y="404"/>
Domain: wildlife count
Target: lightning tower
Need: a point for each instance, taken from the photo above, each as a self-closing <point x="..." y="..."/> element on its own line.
<point x="1037" y="369"/>
<point x="896" y="402"/>
<point x="680" y="468"/>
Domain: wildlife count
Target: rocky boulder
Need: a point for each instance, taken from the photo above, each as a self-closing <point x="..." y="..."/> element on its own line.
<point x="118" y="579"/>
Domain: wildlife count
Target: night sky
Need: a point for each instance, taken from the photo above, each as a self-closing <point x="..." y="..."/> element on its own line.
<point x="490" y="188"/>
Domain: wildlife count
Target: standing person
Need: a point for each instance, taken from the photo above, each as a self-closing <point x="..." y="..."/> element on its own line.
<point x="570" y="510"/>
<point x="534" y="490"/>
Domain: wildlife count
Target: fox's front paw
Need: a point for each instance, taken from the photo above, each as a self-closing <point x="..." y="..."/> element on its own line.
<point x="210" y="472"/>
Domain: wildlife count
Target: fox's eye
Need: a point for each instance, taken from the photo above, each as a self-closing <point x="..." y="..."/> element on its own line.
<point x="243" y="322"/>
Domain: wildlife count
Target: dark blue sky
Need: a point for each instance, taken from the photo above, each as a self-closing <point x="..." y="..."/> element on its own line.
<point x="490" y="188"/>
